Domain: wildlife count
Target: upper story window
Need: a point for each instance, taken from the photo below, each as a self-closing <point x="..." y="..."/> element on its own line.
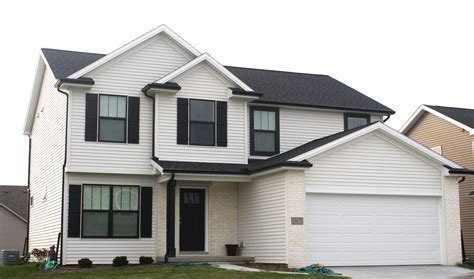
<point x="201" y="122"/>
<point x="110" y="211"/>
<point x="353" y="120"/>
<point x="202" y="125"/>
<point x="112" y="118"/>
<point x="264" y="131"/>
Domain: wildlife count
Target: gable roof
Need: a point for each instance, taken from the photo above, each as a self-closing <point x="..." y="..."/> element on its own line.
<point x="205" y="57"/>
<point x="393" y="134"/>
<point x="277" y="87"/>
<point x="160" y="29"/>
<point x="15" y="199"/>
<point x="461" y="117"/>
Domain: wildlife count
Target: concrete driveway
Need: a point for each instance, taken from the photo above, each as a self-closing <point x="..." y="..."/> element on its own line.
<point x="406" y="272"/>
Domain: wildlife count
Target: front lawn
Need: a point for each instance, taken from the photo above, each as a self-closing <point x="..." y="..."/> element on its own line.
<point x="155" y="271"/>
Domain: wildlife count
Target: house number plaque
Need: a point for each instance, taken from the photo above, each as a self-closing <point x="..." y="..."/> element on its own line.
<point x="297" y="220"/>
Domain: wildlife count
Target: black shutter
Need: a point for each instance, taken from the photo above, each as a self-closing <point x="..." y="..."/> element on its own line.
<point x="74" y="211"/>
<point x="146" y="211"/>
<point x="182" y="128"/>
<point x="133" y="119"/>
<point x="91" y="117"/>
<point x="221" y="123"/>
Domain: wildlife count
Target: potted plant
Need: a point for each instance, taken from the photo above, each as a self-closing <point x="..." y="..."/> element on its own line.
<point x="232" y="249"/>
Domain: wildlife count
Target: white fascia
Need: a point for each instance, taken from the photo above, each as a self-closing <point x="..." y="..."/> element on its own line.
<point x="419" y="112"/>
<point x="388" y="131"/>
<point x="162" y="28"/>
<point x="205" y="57"/>
<point x="34" y="95"/>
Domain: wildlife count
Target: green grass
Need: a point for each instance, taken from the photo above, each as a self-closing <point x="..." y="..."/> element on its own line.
<point x="466" y="265"/>
<point x="197" y="271"/>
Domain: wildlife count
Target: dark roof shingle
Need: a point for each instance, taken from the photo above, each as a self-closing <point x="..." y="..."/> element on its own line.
<point x="15" y="198"/>
<point x="285" y="88"/>
<point x="462" y="115"/>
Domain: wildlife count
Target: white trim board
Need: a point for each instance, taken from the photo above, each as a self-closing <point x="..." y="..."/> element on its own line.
<point x="423" y="108"/>
<point x="160" y="29"/>
<point x="379" y="126"/>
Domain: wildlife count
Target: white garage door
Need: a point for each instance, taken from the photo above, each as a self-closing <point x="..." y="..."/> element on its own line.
<point x="347" y="230"/>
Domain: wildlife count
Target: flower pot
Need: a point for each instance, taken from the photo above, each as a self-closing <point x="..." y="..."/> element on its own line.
<point x="232" y="249"/>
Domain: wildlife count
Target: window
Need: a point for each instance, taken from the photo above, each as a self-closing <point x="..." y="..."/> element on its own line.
<point x="112" y="118"/>
<point x="202" y="122"/>
<point x="352" y="121"/>
<point x="110" y="211"/>
<point x="264" y="125"/>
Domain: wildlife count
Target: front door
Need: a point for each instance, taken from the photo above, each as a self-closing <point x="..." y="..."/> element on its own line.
<point x="192" y="219"/>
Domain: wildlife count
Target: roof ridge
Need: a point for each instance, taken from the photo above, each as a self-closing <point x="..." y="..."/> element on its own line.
<point x="448" y="107"/>
<point x="75" y="51"/>
<point x="278" y="71"/>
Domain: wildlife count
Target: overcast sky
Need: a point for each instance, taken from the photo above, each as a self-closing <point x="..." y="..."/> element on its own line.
<point x="400" y="53"/>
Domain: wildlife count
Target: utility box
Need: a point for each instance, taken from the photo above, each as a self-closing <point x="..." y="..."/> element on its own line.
<point x="9" y="257"/>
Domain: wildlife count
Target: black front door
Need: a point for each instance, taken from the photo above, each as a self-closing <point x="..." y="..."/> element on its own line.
<point x="192" y="220"/>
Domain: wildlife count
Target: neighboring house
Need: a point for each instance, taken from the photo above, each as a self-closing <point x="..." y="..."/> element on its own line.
<point x="450" y="132"/>
<point x="156" y="149"/>
<point x="13" y="217"/>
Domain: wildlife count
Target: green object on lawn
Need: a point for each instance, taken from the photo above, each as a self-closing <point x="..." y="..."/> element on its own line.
<point x="49" y="265"/>
<point x="316" y="269"/>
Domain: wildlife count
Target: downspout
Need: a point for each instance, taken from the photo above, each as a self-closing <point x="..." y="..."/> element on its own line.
<point x="463" y="247"/>
<point x="153" y="126"/>
<point x="386" y="119"/>
<point x="170" y="218"/>
<point x="64" y="171"/>
<point x="27" y="242"/>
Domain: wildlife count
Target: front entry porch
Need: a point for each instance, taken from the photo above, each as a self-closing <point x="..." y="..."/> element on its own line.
<point x="207" y="258"/>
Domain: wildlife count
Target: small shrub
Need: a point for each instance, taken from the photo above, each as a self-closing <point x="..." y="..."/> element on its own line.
<point x="40" y="254"/>
<point x="120" y="261"/>
<point x="84" y="263"/>
<point x="145" y="260"/>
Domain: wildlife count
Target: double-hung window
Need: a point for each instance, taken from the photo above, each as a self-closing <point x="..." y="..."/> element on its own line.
<point x="264" y="138"/>
<point x="110" y="211"/>
<point x="112" y="118"/>
<point x="202" y="124"/>
<point x="353" y="120"/>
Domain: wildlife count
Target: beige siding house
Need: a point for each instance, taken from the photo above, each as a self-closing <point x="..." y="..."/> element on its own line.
<point x="13" y="217"/>
<point x="159" y="150"/>
<point x="449" y="131"/>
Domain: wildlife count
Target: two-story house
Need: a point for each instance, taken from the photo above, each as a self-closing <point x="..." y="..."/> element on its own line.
<point x="450" y="132"/>
<point x="156" y="149"/>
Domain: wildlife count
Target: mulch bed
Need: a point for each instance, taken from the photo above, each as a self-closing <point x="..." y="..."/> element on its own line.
<point x="76" y="268"/>
<point x="269" y="267"/>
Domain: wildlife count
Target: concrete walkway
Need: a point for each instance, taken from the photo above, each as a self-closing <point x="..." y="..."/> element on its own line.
<point x="405" y="272"/>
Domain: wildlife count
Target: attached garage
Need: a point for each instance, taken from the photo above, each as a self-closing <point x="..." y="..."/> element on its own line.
<point x="350" y="230"/>
<point x="375" y="197"/>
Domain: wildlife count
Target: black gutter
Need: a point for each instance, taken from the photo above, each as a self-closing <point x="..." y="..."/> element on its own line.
<point x="386" y="119"/>
<point x="320" y="106"/>
<point x="461" y="171"/>
<point x="64" y="172"/>
<point x="237" y="91"/>
<point x="166" y="86"/>
<point x="77" y="81"/>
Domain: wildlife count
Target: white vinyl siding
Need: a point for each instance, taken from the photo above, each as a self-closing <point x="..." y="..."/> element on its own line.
<point x="200" y="83"/>
<point x="125" y="76"/>
<point x="103" y="250"/>
<point x="373" y="165"/>
<point x="47" y="157"/>
<point x="345" y="230"/>
<point x="262" y="211"/>
<point x="299" y="126"/>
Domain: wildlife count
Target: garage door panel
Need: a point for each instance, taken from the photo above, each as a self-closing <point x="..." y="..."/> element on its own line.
<point x="373" y="229"/>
